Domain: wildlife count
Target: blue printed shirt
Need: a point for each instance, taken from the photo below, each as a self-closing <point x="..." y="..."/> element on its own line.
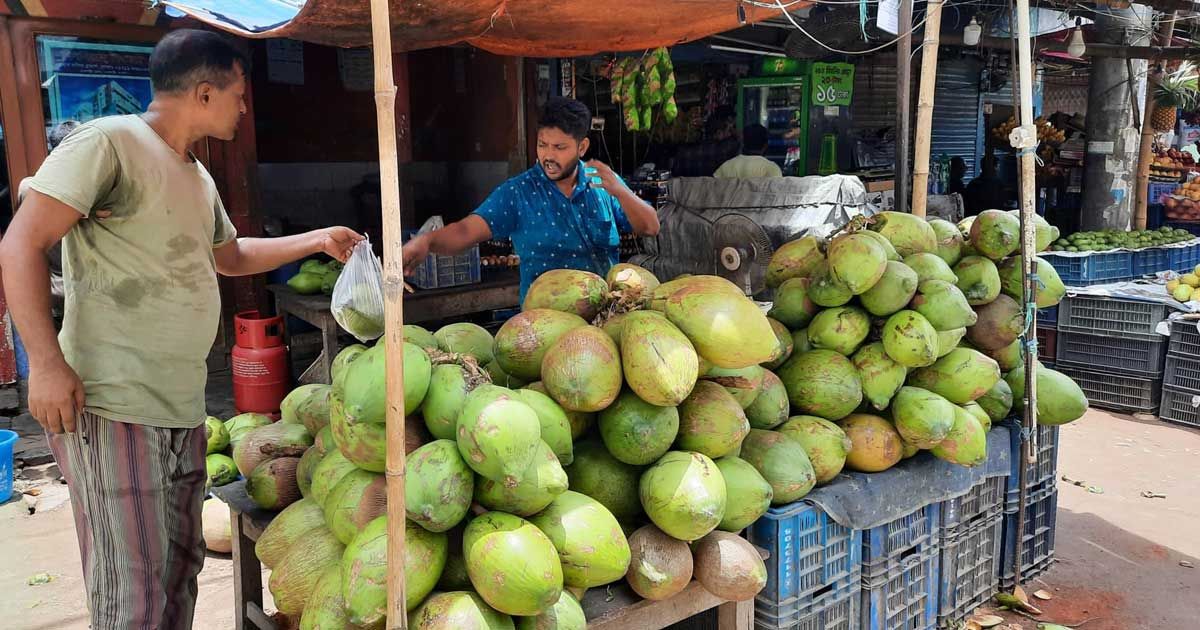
<point x="549" y="230"/>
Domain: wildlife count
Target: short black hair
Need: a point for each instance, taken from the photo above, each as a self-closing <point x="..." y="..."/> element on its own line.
<point x="568" y="115"/>
<point x="754" y="139"/>
<point x="185" y="57"/>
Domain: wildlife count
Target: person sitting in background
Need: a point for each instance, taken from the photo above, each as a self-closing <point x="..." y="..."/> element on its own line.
<point x="720" y="143"/>
<point x="750" y="163"/>
<point x="958" y="170"/>
<point x="986" y="191"/>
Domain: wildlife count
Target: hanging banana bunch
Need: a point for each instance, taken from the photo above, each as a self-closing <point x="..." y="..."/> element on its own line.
<point x="640" y="85"/>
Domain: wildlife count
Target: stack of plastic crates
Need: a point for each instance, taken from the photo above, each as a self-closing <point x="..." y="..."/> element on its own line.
<point x="813" y="573"/>
<point x="1181" y="383"/>
<point x="900" y="561"/>
<point x="971" y="531"/>
<point x="1041" y="500"/>
<point x="1111" y="348"/>
<point x="1094" y="268"/>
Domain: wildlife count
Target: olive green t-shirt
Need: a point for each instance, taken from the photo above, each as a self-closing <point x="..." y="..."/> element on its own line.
<point x="142" y="304"/>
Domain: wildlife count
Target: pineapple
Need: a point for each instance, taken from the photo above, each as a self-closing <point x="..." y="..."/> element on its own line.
<point x="1176" y="89"/>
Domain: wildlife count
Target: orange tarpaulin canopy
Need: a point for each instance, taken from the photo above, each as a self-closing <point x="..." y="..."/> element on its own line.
<point x="532" y="28"/>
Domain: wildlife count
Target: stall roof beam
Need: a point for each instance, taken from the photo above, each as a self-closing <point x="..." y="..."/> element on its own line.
<point x="530" y="28"/>
<point x="1093" y="49"/>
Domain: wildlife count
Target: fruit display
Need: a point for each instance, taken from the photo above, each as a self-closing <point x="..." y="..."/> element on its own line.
<point x="316" y="277"/>
<point x="624" y="428"/>
<point x="1171" y="162"/>
<point x="1046" y="131"/>
<point x="1105" y="240"/>
<point x="639" y="85"/>
<point x="1175" y="90"/>
<point x="1185" y="288"/>
<point x="1183" y="204"/>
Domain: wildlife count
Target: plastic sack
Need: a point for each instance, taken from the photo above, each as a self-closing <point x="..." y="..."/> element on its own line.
<point x="357" y="302"/>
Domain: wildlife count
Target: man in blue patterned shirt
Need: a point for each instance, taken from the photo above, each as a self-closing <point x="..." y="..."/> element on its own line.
<point x="557" y="215"/>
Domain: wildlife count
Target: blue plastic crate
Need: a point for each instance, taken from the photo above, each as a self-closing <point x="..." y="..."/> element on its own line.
<point x="917" y="531"/>
<point x="984" y="498"/>
<point x="969" y="570"/>
<point x="1149" y="261"/>
<point x="1183" y="259"/>
<point x="834" y="607"/>
<point x="441" y="271"/>
<point x="902" y="592"/>
<point x="809" y="551"/>
<point x="1048" y="317"/>
<point x="1038" y="476"/>
<point x="1156" y="190"/>
<point x="1096" y="268"/>
<point x="1037" y="545"/>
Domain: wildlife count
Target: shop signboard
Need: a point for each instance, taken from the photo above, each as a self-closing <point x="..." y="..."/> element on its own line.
<point x="832" y="84"/>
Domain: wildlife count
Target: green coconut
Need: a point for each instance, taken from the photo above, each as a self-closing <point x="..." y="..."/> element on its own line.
<point x="633" y="282"/>
<point x="544" y="480"/>
<point x="909" y="234"/>
<point x="327" y="473"/>
<point x="590" y="543"/>
<point x="513" y="565"/>
<point x="420" y="336"/>
<point x="660" y="362"/>
<point x="825" y="443"/>
<point x="825" y="290"/>
<point x="449" y="385"/>
<point x="822" y="383"/>
<point x="841" y="329"/>
<point x="785" y="346"/>
<point x="981" y="414"/>
<point x="794" y="259"/>
<point x="365" y="570"/>
<point x="999" y="324"/>
<point x="295" y="398"/>
<point x="459" y="610"/>
<point x="1009" y="357"/>
<point x="966" y="442"/>
<point x="569" y="290"/>
<point x="943" y="304"/>
<point x="304" y="471"/>
<point x="998" y="401"/>
<point x="294" y="578"/>
<point x="770" y="407"/>
<point x="922" y="417"/>
<point x="792" y="306"/>
<point x="272" y="484"/>
<point x="910" y="340"/>
<point x="684" y="494"/>
<point x="365" y="444"/>
<point x="893" y="291"/>
<point x="326" y="607"/>
<point x="978" y="279"/>
<point x="601" y="476"/>
<point x="929" y="266"/>
<point x="857" y="260"/>
<point x="727" y="329"/>
<point x="1050" y="288"/>
<point x="288" y="527"/>
<point x="555" y="425"/>
<point x="636" y="432"/>
<point x="1059" y="399"/>
<point x="995" y="234"/>
<point x="522" y="342"/>
<point x="800" y="343"/>
<point x="216" y="434"/>
<point x="782" y="462"/>
<point x="660" y="566"/>
<point x="498" y="434"/>
<point x="580" y="421"/>
<point x="566" y="614"/>
<point x="711" y="421"/>
<point x="875" y="444"/>
<point x="238" y="426"/>
<point x="748" y="495"/>
<point x="949" y="241"/>
<point x="220" y="469"/>
<point x="502" y="378"/>
<point x="466" y="338"/>
<point x="582" y="370"/>
<point x="365" y="391"/>
<point x="269" y="442"/>
<point x="960" y="377"/>
<point x="881" y="375"/>
<point x="358" y="498"/>
<point x="438" y="486"/>
<point x="744" y="384"/>
<point x="887" y="246"/>
<point x="949" y="340"/>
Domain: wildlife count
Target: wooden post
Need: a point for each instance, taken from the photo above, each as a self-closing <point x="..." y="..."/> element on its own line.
<point x="1142" y="182"/>
<point x="901" y="173"/>
<point x="393" y="293"/>
<point x="929" y="59"/>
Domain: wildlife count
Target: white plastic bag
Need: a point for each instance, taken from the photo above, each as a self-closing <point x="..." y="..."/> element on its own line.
<point x="357" y="303"/>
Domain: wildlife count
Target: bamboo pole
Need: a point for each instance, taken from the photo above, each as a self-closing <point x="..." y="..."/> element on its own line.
<point x="1024" y="141"/>
<point x="393" y="293"/>
<point x="1142" y="183"/>
<point x="903" y="185"/>
<point x="929" y="59"/>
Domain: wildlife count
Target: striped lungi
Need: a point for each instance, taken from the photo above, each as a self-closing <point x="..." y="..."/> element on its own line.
<point x="137" y="493"/>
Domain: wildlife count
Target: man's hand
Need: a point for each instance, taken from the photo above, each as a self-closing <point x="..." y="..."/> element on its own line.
<point x="55" y="397"/>
<point x="608" y="178"/>
<point x="415" y="251"/>
<point x="338" y="242"/>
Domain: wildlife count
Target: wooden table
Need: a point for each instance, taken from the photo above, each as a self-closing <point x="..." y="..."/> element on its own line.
<point x="611" y="607"/>
<point x="496" y="292"/>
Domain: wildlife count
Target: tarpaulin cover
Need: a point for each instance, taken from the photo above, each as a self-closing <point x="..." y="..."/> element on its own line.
<point x="862" y="501"/>
<point x="530" y="28"/>
<point x="785" y="207"/>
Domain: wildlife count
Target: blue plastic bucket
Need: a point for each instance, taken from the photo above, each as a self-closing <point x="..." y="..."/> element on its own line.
<point x="7" y="440"/>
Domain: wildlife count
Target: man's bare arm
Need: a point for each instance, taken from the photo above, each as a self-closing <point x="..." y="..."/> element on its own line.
<point x="248" y="256"/>
<point x="55" y="391"/>
<point x="451" y="240"/>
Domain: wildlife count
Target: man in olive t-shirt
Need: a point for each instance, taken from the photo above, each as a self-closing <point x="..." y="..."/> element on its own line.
<point x="121" y="390"/>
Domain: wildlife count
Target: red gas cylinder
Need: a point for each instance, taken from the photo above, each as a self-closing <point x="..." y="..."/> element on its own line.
<point x="261" y="375"/>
